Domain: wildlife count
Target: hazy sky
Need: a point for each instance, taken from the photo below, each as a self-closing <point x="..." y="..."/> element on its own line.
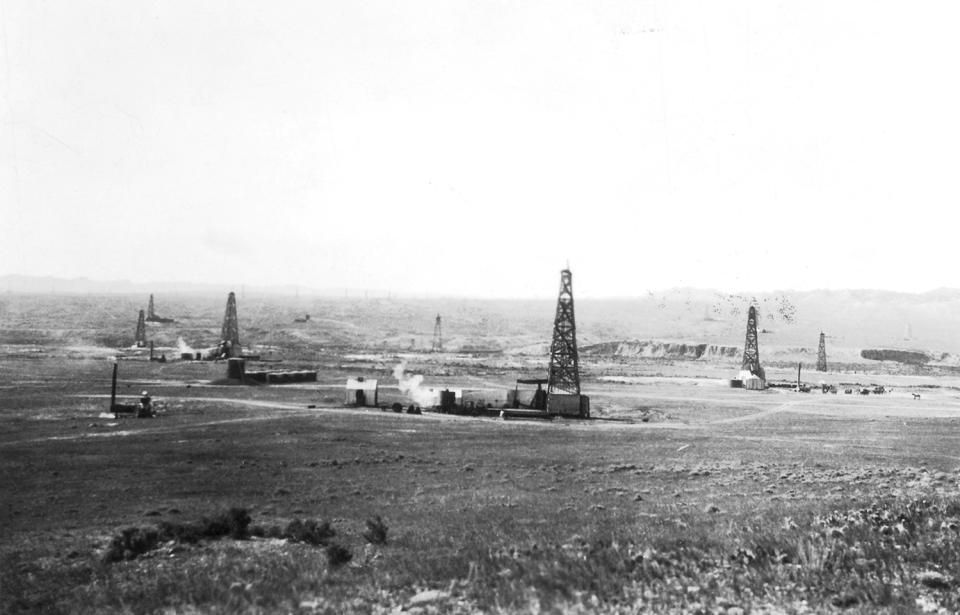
<point x="476" y="147"/>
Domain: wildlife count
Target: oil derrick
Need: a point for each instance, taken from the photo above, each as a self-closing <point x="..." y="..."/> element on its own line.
<point x="751" y="353"/>
<point x="230" y="332"/>
<point x="564" y="364"/>
<point x="822" y="354"/>
<point x="141" y="339"/>
<point x="152" y="314"/>
<point x="437" y="338"/>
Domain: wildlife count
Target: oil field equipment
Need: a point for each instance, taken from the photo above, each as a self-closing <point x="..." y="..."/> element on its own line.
<point x="229" y="346"/>
<point x="116" y="408"/>
<point x="141" y="335"/>
<point x="236" y="368"/>
<point x="538" y="401"/>
<point x="563" y="388"/>
<point x="822" y="354"/>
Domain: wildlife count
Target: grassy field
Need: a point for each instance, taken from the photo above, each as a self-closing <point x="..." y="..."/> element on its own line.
<point x="681" y="495"/>
<point x="727" y="500"/>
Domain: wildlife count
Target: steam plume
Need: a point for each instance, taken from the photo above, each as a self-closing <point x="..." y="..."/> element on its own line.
<point x="409" y="385"/>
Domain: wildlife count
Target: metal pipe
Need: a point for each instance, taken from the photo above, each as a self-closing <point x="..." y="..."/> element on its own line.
<point x="113" y="391"/>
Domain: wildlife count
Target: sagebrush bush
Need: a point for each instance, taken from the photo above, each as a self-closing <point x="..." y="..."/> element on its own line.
<point x="130" y="543"/>
<point x="310" y="531"/>
<point x="338" y="555"/>
<point x="233" y="522"/>
<point x="376" y="532"/>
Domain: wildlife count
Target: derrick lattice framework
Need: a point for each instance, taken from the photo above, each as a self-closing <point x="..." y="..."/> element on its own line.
<point x="230" y="332"/>
<point x="150" y="313"/>
<point x="822" y="354"/>
<point x="564" y="363"/>
<point x="141" y="338"/>
<point x="751" y="352"/>
<point x="437" y="337"/>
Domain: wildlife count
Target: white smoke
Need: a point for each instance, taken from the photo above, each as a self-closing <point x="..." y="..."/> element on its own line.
<point x="410" y="386"/>
<point x="183" y="347"/>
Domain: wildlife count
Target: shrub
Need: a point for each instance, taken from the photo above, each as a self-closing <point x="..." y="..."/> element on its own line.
<point x="337" y="555"/>
<point x="131" y="542"/>
<point x="310" y="531"/>
<point x="181" y="532"/>
<point x="233" y="523"/>
<point x="376" y="532"/>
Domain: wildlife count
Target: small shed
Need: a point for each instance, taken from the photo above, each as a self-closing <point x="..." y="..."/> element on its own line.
<point x="361" y="392"/>
<point x="754" y="383"/>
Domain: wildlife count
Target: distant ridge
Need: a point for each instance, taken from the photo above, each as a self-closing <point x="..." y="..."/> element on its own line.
<point x="17" y="283"/>
<point x="70" y="286"/>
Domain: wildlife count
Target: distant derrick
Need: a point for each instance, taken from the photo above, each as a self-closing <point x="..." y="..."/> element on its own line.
<point x="141" y="335"/>
<point x="437" y="337"/>
<point x="564" y="363"/>
<point x="229" y="346"/>
<point x="822" y="354"/>
<point x="152" y="315"/>
<point x="751" y="352"/>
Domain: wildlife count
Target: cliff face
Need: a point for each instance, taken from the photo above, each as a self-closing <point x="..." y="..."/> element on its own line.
<point x="901" y="356"/>
<point x="662" y="350"/>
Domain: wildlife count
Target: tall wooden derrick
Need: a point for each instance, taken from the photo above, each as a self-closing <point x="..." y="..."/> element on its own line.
<point x="437" y="337"/>
<point x="564" y="363"/>
<point x="141" y="336"/>
<point x="230" y="332"/>
<point x="822" y="354"/>
<point x="751" y="352"/>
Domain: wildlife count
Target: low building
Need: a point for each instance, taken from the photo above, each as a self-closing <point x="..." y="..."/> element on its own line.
<point x="361" y="392"/>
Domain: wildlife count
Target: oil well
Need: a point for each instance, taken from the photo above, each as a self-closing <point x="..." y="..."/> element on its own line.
<point x="751" y="374"/>
<point x="229" y="346"/>
<point x="152" y="314"/>
<point x="437" y="345"/>
<point x="140" y="338"/>
<point x="822" y="354"/>
<point x="563" y="382"/>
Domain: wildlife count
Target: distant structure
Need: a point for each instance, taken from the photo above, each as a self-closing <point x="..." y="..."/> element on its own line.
<point x="822" y="354"/>
<point x="152" y="315"/>
<point x="564" y="363"/>
<point x="437" y="337"/>
<point x="141" y="337"/>
<point x="230" y="332"/>
<point x="751" y="352"/>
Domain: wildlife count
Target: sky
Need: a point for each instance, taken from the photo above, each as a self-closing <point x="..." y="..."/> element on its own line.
<point x="476" y="148"/>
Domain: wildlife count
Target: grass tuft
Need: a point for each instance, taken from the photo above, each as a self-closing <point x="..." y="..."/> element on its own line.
<point x="376" y="532"/>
